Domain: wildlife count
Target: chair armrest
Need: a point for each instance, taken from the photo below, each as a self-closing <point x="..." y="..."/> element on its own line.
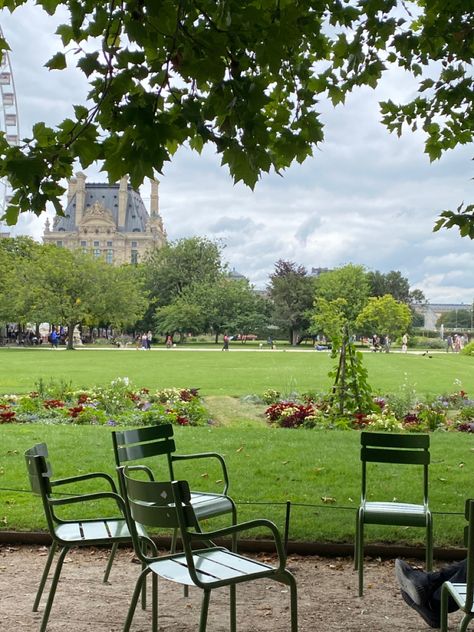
<point x="141" y="468"/>
<point x="246" y="526"/>
<point x="207" y="455"/>
<point x="85" y="477"/>
<point x="81" y="498"/>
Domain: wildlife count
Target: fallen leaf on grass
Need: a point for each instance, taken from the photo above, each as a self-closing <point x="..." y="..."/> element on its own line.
<point x="328" y="500"/>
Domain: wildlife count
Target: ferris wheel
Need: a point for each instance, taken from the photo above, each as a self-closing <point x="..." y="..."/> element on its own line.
<point x="9" y="119"/>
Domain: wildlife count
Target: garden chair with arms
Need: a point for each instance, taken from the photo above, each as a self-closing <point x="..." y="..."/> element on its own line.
<point x="67" y="534"/>
<point x="157" y="441"/>
<point x="463" y="594"/>
<point x="168" y="505"/>
<point x="390" y="448"/>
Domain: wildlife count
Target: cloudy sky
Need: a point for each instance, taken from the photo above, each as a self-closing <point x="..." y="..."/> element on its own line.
<point x="366" y="197"/>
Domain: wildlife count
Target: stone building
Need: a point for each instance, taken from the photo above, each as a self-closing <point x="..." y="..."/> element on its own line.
<point x="108" y="220"/>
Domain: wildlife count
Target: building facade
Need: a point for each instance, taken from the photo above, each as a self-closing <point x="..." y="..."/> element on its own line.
<point x="109" y="221"/>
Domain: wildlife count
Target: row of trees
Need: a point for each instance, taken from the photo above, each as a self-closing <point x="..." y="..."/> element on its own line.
<point x="185" y="288"/>
<point x="367" y="302"/>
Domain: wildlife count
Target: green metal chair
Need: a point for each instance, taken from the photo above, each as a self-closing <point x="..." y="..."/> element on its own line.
<point x="67" y="534"/>
<point x="403" y="449"/>
<point x="168" y="505"/>
<point x="157" y="441"/>
<point x="463" y="594"/>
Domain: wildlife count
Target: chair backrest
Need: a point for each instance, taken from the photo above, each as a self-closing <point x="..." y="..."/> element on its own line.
<point x="469" y="542"/>
<point x="159" y="504"/>
<point x="39" y="473"/>
<point x="402" y="449"/>
<point x="143" y="443"/>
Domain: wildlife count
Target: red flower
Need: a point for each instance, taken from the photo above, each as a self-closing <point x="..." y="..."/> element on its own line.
<point x="82" y="399"/>
<point x="6" y="416"/>
<point x="75" y="411"/>
<point x="183" y="421"/>
<point x="53" y="403"/>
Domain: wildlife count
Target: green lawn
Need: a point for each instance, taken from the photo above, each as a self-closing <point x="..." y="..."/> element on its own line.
<point x="235" y="373"/>
<point x="318" y="471"/>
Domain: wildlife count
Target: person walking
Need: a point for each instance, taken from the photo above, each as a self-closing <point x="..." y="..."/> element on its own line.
<point x="54" y="337"/>
<point x="404" y="343"/>
<point x="226" y="343"/>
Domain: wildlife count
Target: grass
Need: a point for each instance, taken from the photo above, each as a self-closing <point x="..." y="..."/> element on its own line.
<point x="228" y="374"/>
<point x="318" y="471"/>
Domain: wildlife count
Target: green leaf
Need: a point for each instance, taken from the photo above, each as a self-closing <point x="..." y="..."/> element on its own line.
<point x="57" y="62"/>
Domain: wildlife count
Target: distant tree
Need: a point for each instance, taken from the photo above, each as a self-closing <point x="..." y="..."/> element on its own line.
<point x="329" y="318"/>
<point x="168" y="271"/>
<point x="395" y="284"/>
<point x="350" y="283"/>
<point x="72" y="288"/>
<point x="17" y="289"/>
<point x="384" y="315"/>
<point x="225" y="305"/>
<point x="291" y="292"/>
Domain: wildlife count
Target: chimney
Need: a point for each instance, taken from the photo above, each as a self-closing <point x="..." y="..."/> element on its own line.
<point x="123" y="199"/>
<point x="71" y="189"/>
<point x="154" y="199"/>
<point x="80" y="195"/>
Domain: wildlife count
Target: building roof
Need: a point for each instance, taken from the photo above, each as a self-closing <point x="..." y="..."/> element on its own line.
<point x="107" y="195"/>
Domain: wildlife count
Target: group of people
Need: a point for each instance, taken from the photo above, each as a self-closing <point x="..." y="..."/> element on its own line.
<point x="144" y="341"/>
<point x="381" y="343"/>
<point x="455" y="343"/>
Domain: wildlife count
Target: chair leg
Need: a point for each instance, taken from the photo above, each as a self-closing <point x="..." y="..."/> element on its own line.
<point x="291" y="582"/>
<point x="233" y="608"/>
<point x="360" y="553"/>
<point x="444" y="608"/>
<point x="234" y="522"/>
<point x="133" y="603"/>
<point x="204" y="610"/>
<point x="44" y="576"/>
<point x="465" y="622"/>
<point x="110" y="561"/>
<point x="429" y="544"/>
<point x="154" y="607"/>
<point x="52" y="590"/>
<point x="356" y="540"/>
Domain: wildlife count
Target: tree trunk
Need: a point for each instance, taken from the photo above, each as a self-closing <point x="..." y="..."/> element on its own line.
<point x="70" y="336"/>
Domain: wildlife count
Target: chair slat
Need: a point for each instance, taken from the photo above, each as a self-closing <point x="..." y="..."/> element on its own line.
<point x="402" y="456"/>
<point x="146" y="450"/>
<point x="394" y="440"/>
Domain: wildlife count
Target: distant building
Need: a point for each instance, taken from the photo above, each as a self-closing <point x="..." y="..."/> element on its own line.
<point x="315" y="272"/>
<point x="236" y="276"/>
<point x="432" y="311"/>
<point x="108" y="221"/>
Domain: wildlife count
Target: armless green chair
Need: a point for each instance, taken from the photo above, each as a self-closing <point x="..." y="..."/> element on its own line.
<point x="67" y="534"/>
<point x="157" y="443"/>
<point x="168" y="505"/>
<point x="402" y="449"/>
<point x="463" y="594"/>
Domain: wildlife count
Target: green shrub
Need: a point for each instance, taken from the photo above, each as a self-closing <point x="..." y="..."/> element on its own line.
<point x="468" y="349"/>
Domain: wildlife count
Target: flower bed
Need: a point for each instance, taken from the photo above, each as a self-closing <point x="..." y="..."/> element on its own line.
<point x="116" y="404"/>
<point x="394" y="413"/>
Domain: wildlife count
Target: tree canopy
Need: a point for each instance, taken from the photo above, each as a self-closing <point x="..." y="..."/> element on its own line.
<point x="384" y="315"/>
<point x="291" y="291"/>
<point x="244" y="76"/>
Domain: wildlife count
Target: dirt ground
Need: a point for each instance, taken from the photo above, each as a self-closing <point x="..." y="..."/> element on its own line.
<point x="327" y="597"/>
